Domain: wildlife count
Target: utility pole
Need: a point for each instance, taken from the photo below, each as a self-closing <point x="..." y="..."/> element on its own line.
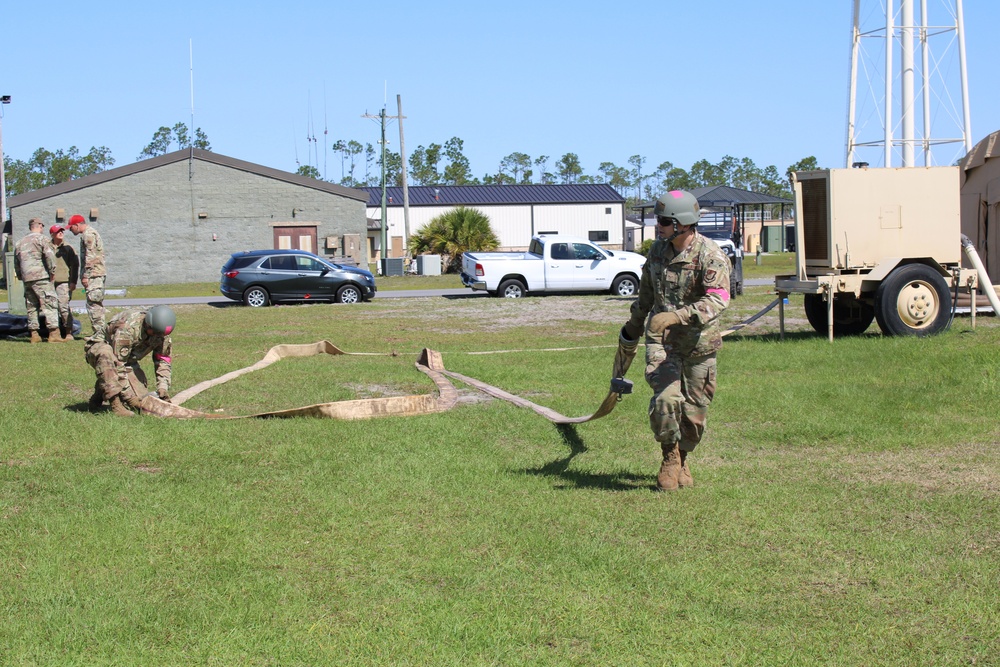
<point x="4" y="99"/>
<point x="406" y="192"/>
<point x="385" y="222"/>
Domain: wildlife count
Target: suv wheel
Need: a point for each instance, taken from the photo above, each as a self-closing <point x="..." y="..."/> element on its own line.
<point x="349" y="294"/>
<point x="256" y="297"/>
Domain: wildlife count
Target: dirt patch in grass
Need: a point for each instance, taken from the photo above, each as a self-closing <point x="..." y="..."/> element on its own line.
<point x="970" y="468"/>
<point x="962" y="468"/>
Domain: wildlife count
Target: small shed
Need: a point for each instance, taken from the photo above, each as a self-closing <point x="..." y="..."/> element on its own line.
<point x="980" y="195"/>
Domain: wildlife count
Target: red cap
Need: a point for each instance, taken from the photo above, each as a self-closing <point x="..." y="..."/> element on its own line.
<point x="55" y="229"/>
<point x="76" y="220"/>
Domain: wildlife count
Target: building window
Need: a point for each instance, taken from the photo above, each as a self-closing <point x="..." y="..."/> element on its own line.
<point x="543" y="233"/>
<point x="607" y="211"/>
<point x="598" y="237"/>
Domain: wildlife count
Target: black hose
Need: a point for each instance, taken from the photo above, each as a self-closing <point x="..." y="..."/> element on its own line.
<point x="954" y="300"/>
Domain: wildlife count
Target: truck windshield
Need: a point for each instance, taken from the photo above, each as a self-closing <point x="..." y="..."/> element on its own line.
<point x="537" y="247"/>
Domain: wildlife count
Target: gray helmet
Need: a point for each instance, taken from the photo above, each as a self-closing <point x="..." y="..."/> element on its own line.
<point x="161" y="320"/>
<point x="680" y="206"/>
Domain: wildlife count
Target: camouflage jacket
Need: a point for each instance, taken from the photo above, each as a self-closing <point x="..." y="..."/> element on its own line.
<point x="92" y="253"/>
<point x="34" y="258"/>
<point x="694" y="283"/>
<point x="126" y="334"/>
<point x="67" y="264"/>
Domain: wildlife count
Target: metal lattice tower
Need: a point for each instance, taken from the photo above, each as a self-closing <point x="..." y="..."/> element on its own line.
<point x="883" y="113"/>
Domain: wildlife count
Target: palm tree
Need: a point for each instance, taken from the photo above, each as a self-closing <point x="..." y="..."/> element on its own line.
<point x="454" y="232"/>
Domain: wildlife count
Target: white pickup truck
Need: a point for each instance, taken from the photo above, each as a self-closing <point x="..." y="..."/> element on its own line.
<point x="553" y="263"/>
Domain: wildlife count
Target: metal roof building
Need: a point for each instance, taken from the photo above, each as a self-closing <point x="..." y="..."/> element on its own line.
<point x="516" y="212"/>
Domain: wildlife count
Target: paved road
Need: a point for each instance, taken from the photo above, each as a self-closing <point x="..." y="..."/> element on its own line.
<point x="221" y="301"/>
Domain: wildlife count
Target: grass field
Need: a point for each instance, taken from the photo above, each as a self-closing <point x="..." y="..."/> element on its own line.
<point x="845" y="510"/>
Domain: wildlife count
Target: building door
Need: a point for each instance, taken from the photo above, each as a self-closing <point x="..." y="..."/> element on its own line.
<point x="295" y="238"/>
<point x="397" y="246"/>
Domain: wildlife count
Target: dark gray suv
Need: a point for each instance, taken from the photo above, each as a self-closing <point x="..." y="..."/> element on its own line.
<point x="262" y="277"/>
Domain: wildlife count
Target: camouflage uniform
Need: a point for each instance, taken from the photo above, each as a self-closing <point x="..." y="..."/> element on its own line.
<point x="92" y="263"/>
<point x="66" y="275"/>
<point x="35" y="262"/>
<point x="117" y="351"/>
<point x="681" y="370"/>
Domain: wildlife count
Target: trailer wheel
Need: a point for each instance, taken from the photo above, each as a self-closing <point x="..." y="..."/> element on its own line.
<point x="851" y="317"/>
<point x="625" y="285"/>
<point x="913" y="300"/>
<point x="512" y="289"/>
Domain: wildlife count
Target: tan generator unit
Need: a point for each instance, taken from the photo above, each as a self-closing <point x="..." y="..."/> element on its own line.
<point x="882" y="244"/>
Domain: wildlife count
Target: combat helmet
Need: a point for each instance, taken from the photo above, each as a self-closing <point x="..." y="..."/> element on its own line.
<point x="161" y="320"/>
<point x="680" y="206"/>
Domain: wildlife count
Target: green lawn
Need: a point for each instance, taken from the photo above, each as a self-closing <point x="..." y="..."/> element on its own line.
<point x="846" y="508"/>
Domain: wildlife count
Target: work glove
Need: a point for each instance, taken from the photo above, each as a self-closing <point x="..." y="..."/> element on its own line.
<point x="659" y="324"/>
<point x="163" y="395"/>
<point x="631" y="331"/>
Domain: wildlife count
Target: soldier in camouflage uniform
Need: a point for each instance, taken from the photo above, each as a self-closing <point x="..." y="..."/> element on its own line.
<point x="65" y="277"/>
<point x="93" y="270"/>
<point x="127" y="338"/>
<point x="34" y="265"/>
<point x="683" y="290"/>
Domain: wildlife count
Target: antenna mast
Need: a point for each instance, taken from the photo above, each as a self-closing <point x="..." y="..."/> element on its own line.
<point x="191" y="136"/>
<point x="897" y="121"/>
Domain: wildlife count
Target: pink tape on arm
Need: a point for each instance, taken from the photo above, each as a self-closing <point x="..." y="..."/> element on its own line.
<point x="167" y="359"/>
<point x="724" y="293"/>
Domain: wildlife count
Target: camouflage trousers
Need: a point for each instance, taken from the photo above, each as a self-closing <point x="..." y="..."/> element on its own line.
<point x="40" y="298"/>
<point x="112" y="377"/>
<point x="63" y="297"/>
<point x="683" y="388"/>
<point x="95" y="303"/>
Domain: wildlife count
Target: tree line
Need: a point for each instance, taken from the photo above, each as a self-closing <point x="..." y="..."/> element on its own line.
<point x="446" y="164"/>
<point x="435" y="164"/>
<point x="45" y="167"/>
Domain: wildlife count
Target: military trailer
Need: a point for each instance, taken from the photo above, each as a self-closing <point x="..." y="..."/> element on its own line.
<point x="877" y="244"/>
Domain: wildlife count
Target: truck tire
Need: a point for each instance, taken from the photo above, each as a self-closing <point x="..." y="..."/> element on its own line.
<point x="851" y="317"/>
<point x="625" y="285"/>
<point x="735" y="276"/>
<point x="511" y="289"/>
<point x="735" y="286"/>
<point x="913" y="300"/>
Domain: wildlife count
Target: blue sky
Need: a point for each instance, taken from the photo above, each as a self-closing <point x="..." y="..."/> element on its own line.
<point x="668" y="80"/>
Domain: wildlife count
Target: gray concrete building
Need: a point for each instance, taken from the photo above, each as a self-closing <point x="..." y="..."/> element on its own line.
<point x="177" y="217"/>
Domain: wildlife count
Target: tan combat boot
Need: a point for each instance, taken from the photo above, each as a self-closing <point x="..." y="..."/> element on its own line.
<point x="118" y="407"/>
<point x="670" y="468"/>
<point x="96" y="399"/>
<point x="35" y="338"/>
<point x="684" y="478"/>
<point x="55" y="337"/>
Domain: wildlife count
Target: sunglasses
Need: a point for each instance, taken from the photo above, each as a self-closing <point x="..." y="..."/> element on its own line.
<point x="664" y="221"/>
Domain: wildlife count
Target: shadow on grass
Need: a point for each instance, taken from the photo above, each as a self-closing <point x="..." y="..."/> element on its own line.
<point x="560" y="468"/>
<point x="776" y="337"/>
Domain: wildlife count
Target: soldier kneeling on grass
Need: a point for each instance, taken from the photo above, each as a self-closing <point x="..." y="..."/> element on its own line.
<point x="115" y="354"/>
